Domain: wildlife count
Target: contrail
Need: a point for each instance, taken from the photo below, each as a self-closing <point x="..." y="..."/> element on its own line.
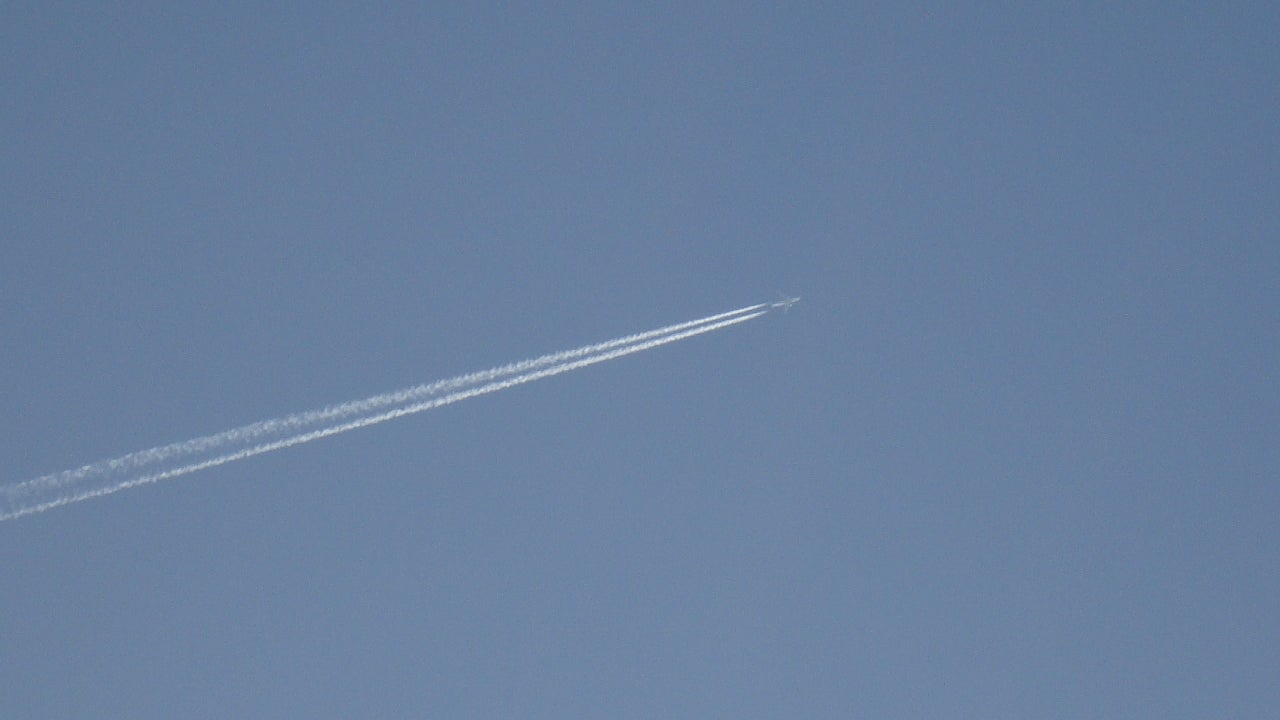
<point x="103" y="478"/>
<point x="175" y="452"/>
<point x="290" y="423"/>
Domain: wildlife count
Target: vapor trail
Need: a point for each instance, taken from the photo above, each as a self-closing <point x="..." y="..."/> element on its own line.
<point x="175" y="452"/>
<point x="95" y="480"/>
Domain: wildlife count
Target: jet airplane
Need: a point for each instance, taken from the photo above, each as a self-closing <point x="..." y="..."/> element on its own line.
<point x="785" y="303"/>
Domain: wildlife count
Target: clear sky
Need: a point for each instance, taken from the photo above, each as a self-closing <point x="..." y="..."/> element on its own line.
<point x="1014" y="455"/>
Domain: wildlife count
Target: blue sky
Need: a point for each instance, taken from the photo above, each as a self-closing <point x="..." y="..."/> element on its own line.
<point x="1013" y="455"/>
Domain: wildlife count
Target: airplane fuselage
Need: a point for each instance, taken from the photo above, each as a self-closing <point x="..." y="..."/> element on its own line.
<point x="785" y="303"/>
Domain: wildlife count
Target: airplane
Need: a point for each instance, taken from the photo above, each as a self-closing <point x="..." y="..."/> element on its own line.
<point x="785" y="303"/>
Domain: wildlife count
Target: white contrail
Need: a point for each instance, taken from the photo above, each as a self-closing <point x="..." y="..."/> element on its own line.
<point x="52" y="491"/>
<point x="297" y="421"/>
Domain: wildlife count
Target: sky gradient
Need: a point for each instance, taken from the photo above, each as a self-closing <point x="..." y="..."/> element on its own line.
<point x="1013" y="455"/>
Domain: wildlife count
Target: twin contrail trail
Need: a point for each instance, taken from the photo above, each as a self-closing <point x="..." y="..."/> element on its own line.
<point x="169" y="461"/>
